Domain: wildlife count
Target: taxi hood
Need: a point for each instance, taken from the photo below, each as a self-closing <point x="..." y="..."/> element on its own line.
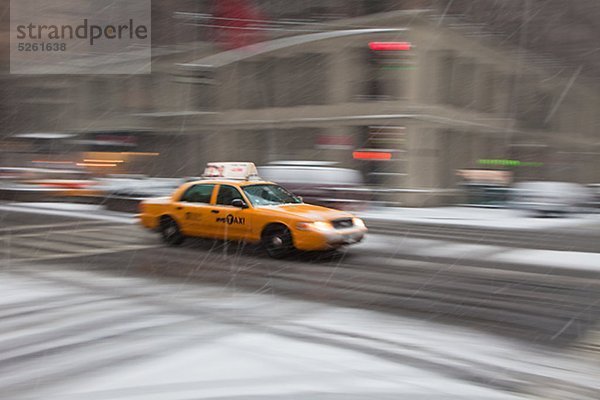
<point x="310" y="212"/>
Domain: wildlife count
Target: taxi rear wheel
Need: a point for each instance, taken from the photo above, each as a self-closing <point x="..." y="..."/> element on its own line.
<point x="170" y="232"/>
<point x="277" y="241"/>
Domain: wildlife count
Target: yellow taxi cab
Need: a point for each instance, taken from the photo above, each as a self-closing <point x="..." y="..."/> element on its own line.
<point x="231" y="202"/>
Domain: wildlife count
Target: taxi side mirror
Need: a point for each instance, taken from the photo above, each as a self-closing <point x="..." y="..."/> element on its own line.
<point x="239" y="203"/>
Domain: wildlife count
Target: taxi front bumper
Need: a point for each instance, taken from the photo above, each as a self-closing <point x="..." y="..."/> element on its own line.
<point x="343" y="238"/>
<point x="329" y="239"/>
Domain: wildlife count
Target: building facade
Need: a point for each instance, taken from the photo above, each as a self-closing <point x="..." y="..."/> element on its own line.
<point x="409" y="118"/>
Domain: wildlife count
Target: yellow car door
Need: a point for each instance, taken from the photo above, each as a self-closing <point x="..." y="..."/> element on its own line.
<point x="193" y="210"/>
<point x="229" y="221"/>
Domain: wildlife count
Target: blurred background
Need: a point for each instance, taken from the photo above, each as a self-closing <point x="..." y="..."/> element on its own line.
<point x="459" y="101"/>
<point x="448" y="125"/>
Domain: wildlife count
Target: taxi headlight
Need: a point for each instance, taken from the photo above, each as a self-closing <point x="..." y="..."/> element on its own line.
<point x="313" y="226"/>
<point x="359" y="223"/>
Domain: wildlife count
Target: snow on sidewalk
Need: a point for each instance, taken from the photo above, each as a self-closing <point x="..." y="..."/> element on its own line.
<point x="73" y="210"/>
<point x="385" y="245"/>
<point x="457" y="216"/>
<point x="499" y="218"/>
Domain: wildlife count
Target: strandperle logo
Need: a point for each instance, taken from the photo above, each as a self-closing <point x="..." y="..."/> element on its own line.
<point x="85" y="30"/>
<point x="80" y="37"/>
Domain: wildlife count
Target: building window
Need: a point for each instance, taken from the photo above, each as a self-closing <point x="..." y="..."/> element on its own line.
<point x="485" y="90"/>
<point x="445" y="70"/>
<point x="386" y="139"/>
<point x="386" y="74"/>
<point x="463" y="84"/>
<point x="308" y="80"/>
<point x="285" y="82"/>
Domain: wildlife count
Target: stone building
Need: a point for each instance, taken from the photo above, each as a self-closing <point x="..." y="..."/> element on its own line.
<point x="410" y="118"/>
<point x="450" y="102"/>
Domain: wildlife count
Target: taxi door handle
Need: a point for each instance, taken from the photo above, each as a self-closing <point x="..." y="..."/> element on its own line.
<point x="214" y="211"/>
<point x="179" y="208"/>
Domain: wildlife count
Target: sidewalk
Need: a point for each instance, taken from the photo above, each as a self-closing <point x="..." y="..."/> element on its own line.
<point x="489" y="218"/>
<point x="563" y="263"/>
<point x="74" y="210"/>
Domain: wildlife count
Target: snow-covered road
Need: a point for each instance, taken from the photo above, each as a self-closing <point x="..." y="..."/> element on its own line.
<point x="93" y="307"/>
<point x="71" y="334"/>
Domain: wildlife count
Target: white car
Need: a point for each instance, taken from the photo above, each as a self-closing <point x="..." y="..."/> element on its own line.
<point x="551" y="198"/>
<point x="595" y="188"/>
<point x="320" y="182"/>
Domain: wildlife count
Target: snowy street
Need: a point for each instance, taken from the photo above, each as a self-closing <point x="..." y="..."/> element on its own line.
<point x="95" y="307"/>
<point x="73" y="334"/>
<point x="300" y="200"/>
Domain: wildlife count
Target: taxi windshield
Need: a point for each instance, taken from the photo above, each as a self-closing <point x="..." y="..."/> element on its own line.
<point x="269" y="195"/>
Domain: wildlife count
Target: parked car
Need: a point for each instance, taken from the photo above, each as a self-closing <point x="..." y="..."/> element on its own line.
<point x="595" y="188"/>
<point x="138" y="186"/>
<point x="320" y="183"/>
<point x="551" y="198"/>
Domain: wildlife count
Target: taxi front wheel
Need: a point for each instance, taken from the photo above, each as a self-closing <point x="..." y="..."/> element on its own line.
<point x="170" y="232"/>
<point x="277" y="241"/>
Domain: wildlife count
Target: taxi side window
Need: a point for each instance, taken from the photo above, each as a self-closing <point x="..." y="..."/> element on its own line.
<point x="227" y="194"/>
<point x="198" y="194"/>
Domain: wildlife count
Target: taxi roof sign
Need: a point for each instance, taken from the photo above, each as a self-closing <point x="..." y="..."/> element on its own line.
<point x="231" y="170"/>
